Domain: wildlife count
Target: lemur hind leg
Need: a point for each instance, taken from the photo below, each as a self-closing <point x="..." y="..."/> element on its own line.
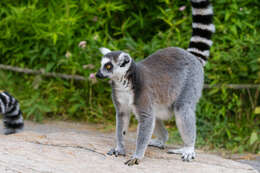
<point x="186" y="123"/>
<point x="161" y="135"/>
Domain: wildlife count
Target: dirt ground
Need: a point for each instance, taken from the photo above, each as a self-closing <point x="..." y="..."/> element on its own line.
<point x="62" y="147"/>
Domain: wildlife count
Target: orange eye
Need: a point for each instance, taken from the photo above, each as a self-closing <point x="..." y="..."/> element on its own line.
<point x="108" y="67"/>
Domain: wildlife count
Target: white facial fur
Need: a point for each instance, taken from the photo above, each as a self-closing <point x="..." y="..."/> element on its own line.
<point x="104" y="61"/>
<point x="117" y="72"/>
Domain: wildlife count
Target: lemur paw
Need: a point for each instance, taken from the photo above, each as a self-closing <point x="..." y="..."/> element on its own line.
<point x="132" y="161"/>
<point x="187" y="153"/>
<point x="116" y="152"/>
<point x="156" y="143"/>
<point x="187" y="157"/>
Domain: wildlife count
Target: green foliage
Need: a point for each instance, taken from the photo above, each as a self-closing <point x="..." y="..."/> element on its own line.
<point x="46" y="34"/>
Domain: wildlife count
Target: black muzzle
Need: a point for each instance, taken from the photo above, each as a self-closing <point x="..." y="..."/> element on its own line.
<point x="100" y="75"/>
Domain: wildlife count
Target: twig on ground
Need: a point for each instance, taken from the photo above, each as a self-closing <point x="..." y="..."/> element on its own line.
<point x="68" y="146"/>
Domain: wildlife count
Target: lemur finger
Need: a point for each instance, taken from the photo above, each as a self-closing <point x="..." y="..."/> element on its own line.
<point x="189" y="157"/>
<point x="111" y="152"/>
<point x="116" y="153"/>
<point x="186" y="157"/>
<point x="193" y="155"/>
<point x="132" y="162"/>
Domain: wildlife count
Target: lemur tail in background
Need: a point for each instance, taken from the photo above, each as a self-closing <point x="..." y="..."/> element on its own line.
<point x="12" y="115"/>
<point x="202" y="29"/>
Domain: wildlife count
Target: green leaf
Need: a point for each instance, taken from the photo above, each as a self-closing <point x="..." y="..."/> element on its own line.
<point x="257" y="110"/>
<point x="54" y="38"/>
<point x="253" y="138"/>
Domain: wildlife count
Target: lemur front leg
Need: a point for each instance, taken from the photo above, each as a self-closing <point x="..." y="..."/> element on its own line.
<point x="122" y="122"/>
<point x="146" y="122"/>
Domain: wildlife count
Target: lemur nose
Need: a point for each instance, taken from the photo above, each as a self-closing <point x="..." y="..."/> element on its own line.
<point x="100" y="75"/>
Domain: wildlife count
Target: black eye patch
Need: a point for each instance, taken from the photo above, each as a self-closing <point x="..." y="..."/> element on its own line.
<point x="108" y="66"/>
<point x="125" y="62"/>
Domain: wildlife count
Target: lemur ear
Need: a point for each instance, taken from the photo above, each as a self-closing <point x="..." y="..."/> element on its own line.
<point x="104" y="50"/>
<point x="123" y="59"/>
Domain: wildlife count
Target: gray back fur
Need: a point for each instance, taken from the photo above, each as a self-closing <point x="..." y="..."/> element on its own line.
<point x="168" y="73"/>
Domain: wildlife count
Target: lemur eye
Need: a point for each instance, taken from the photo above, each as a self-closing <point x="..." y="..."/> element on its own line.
<point x="108" y="66"/>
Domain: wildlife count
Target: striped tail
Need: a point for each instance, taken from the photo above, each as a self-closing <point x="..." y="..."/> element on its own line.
<point x="12" y="115"/>
<point x="202" y="29"/>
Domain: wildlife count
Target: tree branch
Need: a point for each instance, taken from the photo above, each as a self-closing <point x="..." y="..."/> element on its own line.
<point x="41" y="72"/>
<point x="82" y="78"/>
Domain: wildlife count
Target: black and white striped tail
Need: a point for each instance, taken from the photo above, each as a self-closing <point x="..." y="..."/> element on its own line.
<point x="202" y="29"/>
<point x="12" y="115"/>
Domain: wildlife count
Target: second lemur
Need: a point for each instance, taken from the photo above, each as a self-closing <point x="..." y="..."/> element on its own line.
<point x="166" y="82"/>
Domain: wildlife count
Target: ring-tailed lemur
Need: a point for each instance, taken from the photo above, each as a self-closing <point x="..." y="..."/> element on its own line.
<point x="12" y="115"/>
<point x="168" y="81"/>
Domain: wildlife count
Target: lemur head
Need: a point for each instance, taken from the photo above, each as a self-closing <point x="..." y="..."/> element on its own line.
<point x="114" y="64"/>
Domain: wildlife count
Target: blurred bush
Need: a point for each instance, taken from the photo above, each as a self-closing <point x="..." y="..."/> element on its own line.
<point x="48" y="35"/>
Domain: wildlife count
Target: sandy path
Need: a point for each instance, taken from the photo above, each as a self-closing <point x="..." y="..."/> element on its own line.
<point x="59" y="147"/>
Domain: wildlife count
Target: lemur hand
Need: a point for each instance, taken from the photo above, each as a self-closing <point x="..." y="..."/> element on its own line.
<point x="132" y="161"/>
<point x="116" y="152"/>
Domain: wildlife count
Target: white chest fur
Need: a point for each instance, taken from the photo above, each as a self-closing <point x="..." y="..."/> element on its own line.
<point x="125" y="96"/>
